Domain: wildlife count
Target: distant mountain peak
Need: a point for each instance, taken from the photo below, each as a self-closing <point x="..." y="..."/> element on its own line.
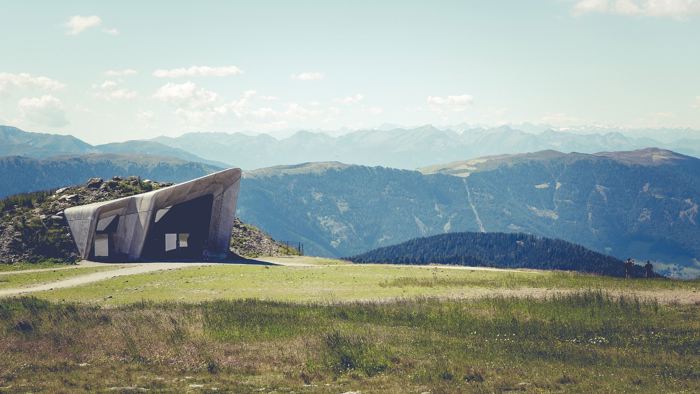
<point x="643" y="157"/>
<point x="646" y="156"/>
<point x="297" y="169"/>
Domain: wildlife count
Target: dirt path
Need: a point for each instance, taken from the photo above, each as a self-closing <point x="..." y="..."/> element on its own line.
<point x="81" y="264"/>
<point x="140" y="268"/>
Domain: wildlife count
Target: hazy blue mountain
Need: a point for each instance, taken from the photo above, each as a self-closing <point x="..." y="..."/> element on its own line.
<point x="22" y="174"/>
<point x="235" y="149"/>
<point x="153" y="148"/>
<point x="16" y="142"/>
<point x="642" y="204"/>
<point x="405" y="148"/>
<point x="502" y="250"/>
<point x="408" y="148"/>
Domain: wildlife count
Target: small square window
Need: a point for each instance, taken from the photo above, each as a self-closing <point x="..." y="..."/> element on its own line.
<point x="182" y="238"/>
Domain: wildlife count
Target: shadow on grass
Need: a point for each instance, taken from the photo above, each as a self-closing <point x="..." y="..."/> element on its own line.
<point x="230" y="259"/>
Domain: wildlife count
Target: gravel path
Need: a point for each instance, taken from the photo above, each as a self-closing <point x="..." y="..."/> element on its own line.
<point x="139" y="268"/>
<point x="82" y="264"/>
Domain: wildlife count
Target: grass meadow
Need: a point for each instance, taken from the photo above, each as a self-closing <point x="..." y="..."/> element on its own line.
<point x="581" y="342"/>
<point x="327" y="326"/>
<point x="333" y="281"/>
<point x="18" y="279"/>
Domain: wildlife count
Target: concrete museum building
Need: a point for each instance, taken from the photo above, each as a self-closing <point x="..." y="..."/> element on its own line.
<point x="183" y="221"/>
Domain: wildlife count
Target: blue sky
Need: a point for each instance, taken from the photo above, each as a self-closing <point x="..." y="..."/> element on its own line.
<point x="125" y="70"/>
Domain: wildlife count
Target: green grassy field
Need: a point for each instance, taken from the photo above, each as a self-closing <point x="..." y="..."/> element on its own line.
<point x="18" y="279"/>
<point x="5" y="267"/>
<point x="584" y="342"/>
<point x="333" y="281"/>
<point x="323" y="325"/>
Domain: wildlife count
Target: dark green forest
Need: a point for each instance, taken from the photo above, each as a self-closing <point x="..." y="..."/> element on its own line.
<point x="502" y="250"/>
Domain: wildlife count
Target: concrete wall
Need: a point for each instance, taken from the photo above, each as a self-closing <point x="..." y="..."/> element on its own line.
<point x="136" y="214"/>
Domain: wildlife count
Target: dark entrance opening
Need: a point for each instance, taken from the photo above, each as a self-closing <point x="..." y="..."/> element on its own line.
<point x="179" y="231"/>
<point x="103" y="241"/>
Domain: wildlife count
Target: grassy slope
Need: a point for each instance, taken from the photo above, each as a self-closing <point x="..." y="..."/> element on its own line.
<point x="217" y="335"/>
<point x="329" y="281"/>
<point x="576" y="343"/>
<point x="31" y="266"/>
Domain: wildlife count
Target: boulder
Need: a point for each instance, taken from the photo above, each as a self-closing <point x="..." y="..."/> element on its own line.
<point x="94" y="183"/>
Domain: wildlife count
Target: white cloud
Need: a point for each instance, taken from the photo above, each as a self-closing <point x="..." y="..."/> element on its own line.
<point x="111" y="32"/>
<point x="450" y="103"/>
<point x="77" y="24"/>
<point x="45" y="111"/>
<point x="120" y="73"/>
<point x="678" y="9"/>
<point x="198" y="71"/>
<point x="350" y="99"/>
<point x="308" y="76"/>
<point x="185" y="93"/>
<point x="24" y="80"/>
<point x="110" y="90"/>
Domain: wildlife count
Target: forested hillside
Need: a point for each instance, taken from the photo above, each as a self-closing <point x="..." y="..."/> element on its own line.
<point x="641" y="204"/>
<point x="23" y="174"/>
<point x="497" y="250"/>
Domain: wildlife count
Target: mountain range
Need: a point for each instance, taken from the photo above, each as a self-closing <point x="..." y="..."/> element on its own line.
<point x="641" y="204"/>
<point x="17" y="142"/>
<point x="396" y="147"/>
<point x="23" y="174"/>
<point x="407" y="148"/>
<point x="634" y="203"/>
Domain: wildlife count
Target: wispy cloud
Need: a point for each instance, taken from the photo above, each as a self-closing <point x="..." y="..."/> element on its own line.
<point x="120" y="73"/>
<point x="678" y="9"/>
<point x="25" y="80"/>
<point x="309" y="76"/>
<point x="44" y="111"/>
<point x="185" y="93"/>
<point x="356" y="98"/>
<point x="111" y="90"/>
<point x="111" y="32"/>
<point x="457" y="103"/>
<point x="198" y="71"/>
<point x="78" y="23"/>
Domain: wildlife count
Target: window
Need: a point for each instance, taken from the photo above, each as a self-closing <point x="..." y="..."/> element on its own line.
<point x="160" y="213"/>
<point x="170" y="242"/>
<point x="101" y="245"/>
<point x="182" y="239"/>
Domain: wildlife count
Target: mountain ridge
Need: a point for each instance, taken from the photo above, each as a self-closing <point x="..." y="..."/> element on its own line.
<point x="499" y="250"/>
<point x="24" y="174"/>
<point x="17" y="142"/>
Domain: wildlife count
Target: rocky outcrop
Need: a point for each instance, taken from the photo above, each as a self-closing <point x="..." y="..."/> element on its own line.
<point x="250" y="241"/>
